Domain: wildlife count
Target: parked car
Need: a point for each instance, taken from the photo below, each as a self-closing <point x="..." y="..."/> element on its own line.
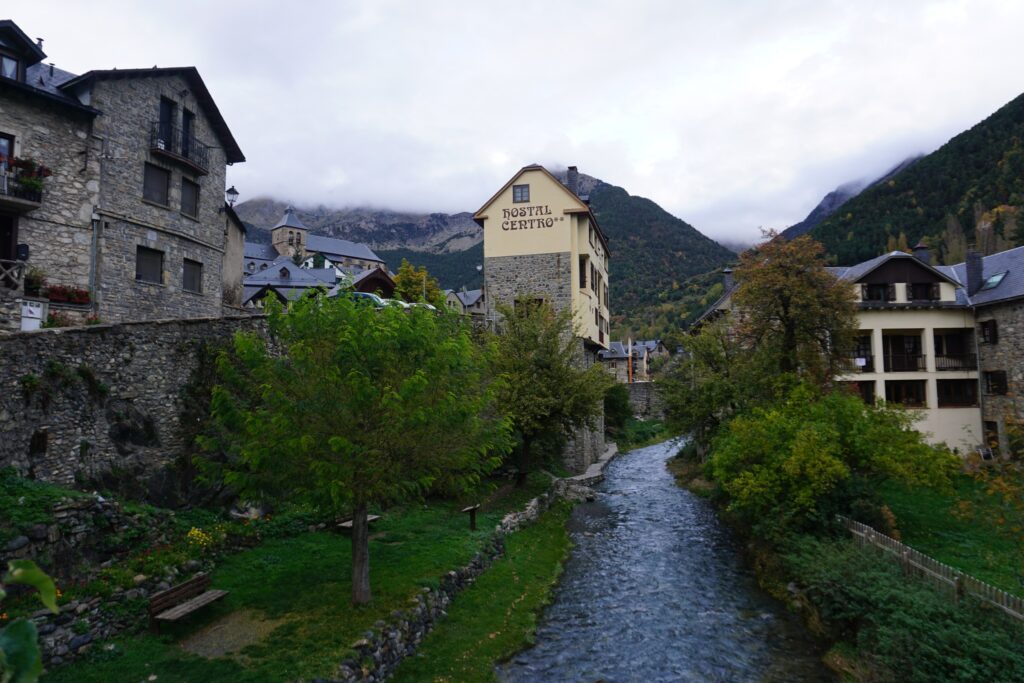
<point x="367" y="299"/>
<point x="397" y="303"/>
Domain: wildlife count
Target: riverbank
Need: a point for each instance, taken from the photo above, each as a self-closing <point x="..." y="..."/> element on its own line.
<point x="873" y="617"/>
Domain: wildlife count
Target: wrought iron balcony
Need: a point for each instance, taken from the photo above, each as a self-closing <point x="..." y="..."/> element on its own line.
<point x="861" y="362"/>
<point x="179" y="145"/>
<point x="962" y="361"/>
<point x="904" y="362"/>
<point x="16" y="193"/>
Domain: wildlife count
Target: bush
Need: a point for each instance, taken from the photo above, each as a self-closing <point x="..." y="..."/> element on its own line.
<point x="901" y="625"/>
<point x="793" y="465"/>
<point x="617" y="410"/>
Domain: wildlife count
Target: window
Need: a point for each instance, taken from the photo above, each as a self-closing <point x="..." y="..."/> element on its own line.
<point x="908" y="392"/>
<point x="149" y="265"/>
<point x="6" y="150"/>
<point x="989" y="331"/>
<point x="955" y="393"/>
<point x="187" y="135"/>
<point x="8" y="67"/>
<point x="865" y="389"/>
<point x="520" y="193"/>
<point x="251" y="267"/>
<point x="995" y="382"/>
<point x="155" y="184"/>
<point x="583" y="272"/>
<point x="189" y="197"/>
<point x="192" y="276"/>
<point x="878" y="292"/>
<point x="923" y="291"/>
<point x="168" y="111"/>
<point x="993" y="280"/>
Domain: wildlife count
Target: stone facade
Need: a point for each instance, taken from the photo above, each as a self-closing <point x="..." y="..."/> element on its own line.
<point x="541" y="275"/>
<point x="1006" y="354"/>
<point x="59" y="233"/>
<point x="104" y="404"/>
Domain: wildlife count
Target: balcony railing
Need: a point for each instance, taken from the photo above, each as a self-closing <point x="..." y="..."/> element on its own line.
<point x="10" y="186"/>
<point x="861" y="362"/>
<point x="904" y="362"/>
<point x="173" y="142"/>
<point x="12" y="273"/>
<point x="962" y="361"/>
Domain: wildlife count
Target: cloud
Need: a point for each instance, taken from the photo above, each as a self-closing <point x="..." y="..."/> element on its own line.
<point x="731" y="115"/>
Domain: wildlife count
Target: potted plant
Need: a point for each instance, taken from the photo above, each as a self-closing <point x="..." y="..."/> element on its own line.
<point x="57" y="293"/>
<point x="78" y="296"/>
<point x="35" y="278"/>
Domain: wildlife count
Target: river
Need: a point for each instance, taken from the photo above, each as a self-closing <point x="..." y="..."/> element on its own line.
<point x="656" y="589"/>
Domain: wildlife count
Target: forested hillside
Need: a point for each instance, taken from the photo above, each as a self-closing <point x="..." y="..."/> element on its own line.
<point x="969" y="191"/>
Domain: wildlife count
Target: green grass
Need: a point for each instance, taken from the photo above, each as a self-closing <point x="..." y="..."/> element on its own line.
<point x="305" y="581"/>
<point x="25" y="503"/>
<point x="639" y="433"/>
<point x="961" y="528"/>
<point x="497" y="616"/>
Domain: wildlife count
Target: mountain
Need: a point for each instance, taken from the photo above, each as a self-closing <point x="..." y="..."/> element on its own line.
<point x="380" y="228"/>
<point x="839" y="196"/>
<point x="652" y="252"/>
<point x="970" y="190"/>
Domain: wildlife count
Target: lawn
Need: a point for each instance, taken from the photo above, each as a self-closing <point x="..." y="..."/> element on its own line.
<point x="965" y="528"/>
<point x="497" y="616"/>
<point x="304" y="583"/>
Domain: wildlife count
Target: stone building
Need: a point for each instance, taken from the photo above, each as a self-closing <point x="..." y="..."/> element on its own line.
<point x="113" y="184"/>
<point x="542" y="242"/>
<point x="627" y="362"/>
<point x="467" y="302"/>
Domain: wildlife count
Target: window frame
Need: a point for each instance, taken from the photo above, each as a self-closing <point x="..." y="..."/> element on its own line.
<point x="996" y="383"/>
<point x="185" y="263"/>
<point x="989" y="331"/>
<point x="521" y="194"/>
<point x="944" y="398"/>
<point x="185" y="181"/>
<point x="141" y="250"/>
<point x="18" y="68"/>
<point x="167" y="185"/>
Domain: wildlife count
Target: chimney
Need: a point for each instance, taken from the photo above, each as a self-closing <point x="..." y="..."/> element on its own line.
<point x="727" y="280"/>
<point x="572" y="180"/>
<point x="39" y="43"/>
<point x="974" y="272"/>
<point x="922" y="254"/>
<point x="51" y="69"/>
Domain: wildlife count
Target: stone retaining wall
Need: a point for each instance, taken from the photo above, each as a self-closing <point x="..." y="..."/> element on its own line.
<point x="645" y="400"/>
<point x="102" y="406"/>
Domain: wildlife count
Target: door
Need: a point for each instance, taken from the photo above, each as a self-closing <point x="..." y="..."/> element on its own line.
<point x="8" y="248"/>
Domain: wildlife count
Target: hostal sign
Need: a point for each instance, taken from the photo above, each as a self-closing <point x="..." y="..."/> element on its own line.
<point x="528" y="218"/>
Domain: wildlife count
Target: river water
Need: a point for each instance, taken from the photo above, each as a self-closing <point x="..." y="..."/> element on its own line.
<point x="656" y="589"/>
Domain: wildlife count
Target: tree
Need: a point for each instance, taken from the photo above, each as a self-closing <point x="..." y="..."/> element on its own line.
<point x="414" y="285"/>
<point x="20" y="661"/>
<point x="546" y="388"/>
<point x="348" y="407"/>
<point x="318" y="260"/>
<point x="617" y="409"/>
<point x="788" y="303"/>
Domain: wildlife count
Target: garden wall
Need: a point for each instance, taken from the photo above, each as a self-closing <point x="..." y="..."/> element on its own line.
<point x="110" y="406"/>
<point x="645" y="400"/>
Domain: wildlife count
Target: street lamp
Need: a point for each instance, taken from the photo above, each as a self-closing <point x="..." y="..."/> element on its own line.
<point x="231" y="196"/>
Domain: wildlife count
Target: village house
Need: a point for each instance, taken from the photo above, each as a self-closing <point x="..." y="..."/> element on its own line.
<point x="112" y="189"/>
<point x="296" y="262"/>
<point x="466" y="302"/>
<point x="626" y="362"/>
<point x="543" y="243"/>
<point x="945" y="341"/>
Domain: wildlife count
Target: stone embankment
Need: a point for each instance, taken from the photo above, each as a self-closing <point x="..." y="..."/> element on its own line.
<point x="380" y="651"/>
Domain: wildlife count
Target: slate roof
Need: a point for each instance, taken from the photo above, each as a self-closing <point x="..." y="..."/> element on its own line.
<point x="470" y="297"/>
<point x="620" y="351"/>
<point x="265" y="252"/>
<point x="39" y="76"/>
<point x="297" y="277"/>
<point x="290" y="220"/>
<point x="1010" y="262"/>
<point x="334" y="247"/>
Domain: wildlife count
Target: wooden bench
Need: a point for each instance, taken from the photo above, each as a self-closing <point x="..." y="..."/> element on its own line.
<point x="346" y="526"/>
<point x="472" y="515"/>
<point x="181" y="600"/>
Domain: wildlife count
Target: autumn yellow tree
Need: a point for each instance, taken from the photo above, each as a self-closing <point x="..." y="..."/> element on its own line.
<point x="415" y="284"/>
<point x="789" y="304"/>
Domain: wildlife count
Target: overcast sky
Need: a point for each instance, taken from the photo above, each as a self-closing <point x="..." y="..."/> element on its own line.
<point x="729" y="114"/>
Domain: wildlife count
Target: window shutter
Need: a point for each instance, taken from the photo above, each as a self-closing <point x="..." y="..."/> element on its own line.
<point x="863" y="292"/>
<point x="993" y="332"/>
<point x="890" y="292"/>
<point x="936" y="291"/>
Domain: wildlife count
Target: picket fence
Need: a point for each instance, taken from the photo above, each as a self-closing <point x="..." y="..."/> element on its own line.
<point x="949" y="580"/>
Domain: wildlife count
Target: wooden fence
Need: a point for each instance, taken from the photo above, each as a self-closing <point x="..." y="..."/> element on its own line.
<point x="949" y="580"/>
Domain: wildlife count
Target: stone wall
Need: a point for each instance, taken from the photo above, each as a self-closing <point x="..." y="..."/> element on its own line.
<point x="1006" y="354"/>
<point x="645" y="400"/>
<point x="543" y="275"/>
<point x="102" y="406"/>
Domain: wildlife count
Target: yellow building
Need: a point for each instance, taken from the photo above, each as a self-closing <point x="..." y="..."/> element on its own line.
<point x="541" y="240"/>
